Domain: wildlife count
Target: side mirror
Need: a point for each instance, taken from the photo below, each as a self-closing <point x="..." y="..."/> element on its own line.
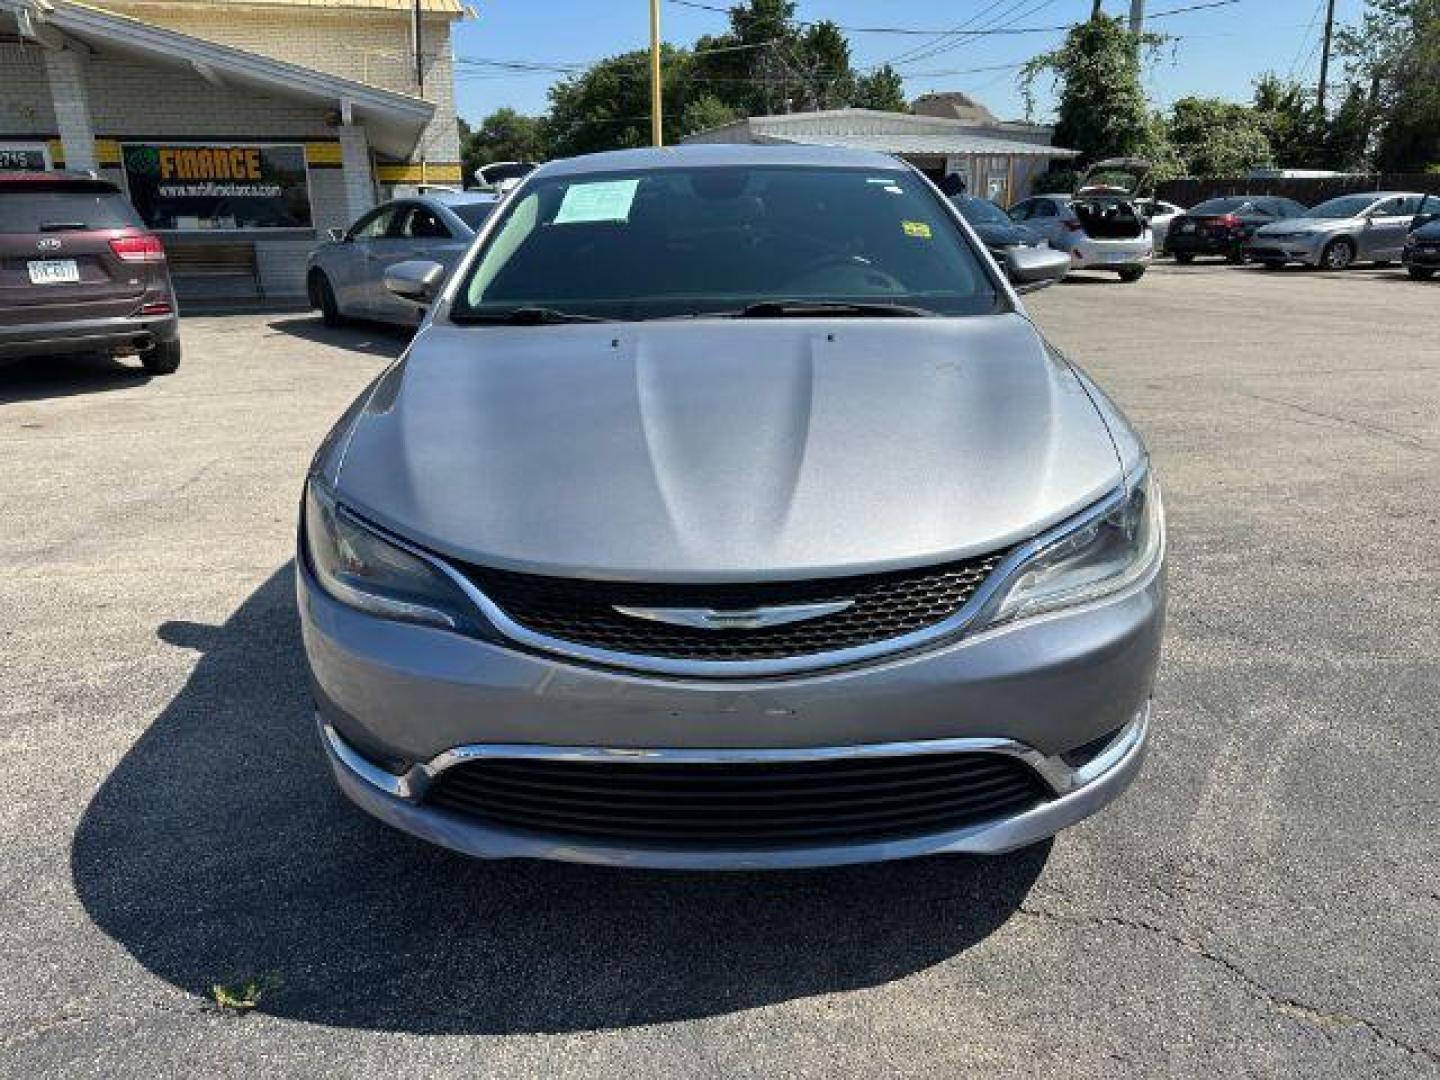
<point x="1032" y="268"/>
<point x="417" y="281"/>
<point x="338" y="236"/>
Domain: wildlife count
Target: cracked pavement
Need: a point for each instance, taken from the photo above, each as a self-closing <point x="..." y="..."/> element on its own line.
<point x="1263" y="903"/>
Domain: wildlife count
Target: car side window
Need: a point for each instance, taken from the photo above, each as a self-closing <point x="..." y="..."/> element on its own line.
<point x="1389" y="208"/>
<point x="422" y="223"/>
<point x="1411" y="205"/>
<point x="1021" y="210"/>
<point x="1044" y="208"/>
<point x="374" y="224"/>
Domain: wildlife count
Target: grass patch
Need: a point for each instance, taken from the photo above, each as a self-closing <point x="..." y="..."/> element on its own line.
<point x="243" y="995"/>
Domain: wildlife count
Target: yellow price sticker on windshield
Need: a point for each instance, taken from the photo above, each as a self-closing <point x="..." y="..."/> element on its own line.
<point x="918" y="229"/>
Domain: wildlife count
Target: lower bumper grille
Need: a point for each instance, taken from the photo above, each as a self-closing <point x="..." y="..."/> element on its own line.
<point x="759" y="804"/>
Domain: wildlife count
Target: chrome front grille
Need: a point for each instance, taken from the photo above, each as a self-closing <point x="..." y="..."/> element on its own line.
<point x="882" y="607"/>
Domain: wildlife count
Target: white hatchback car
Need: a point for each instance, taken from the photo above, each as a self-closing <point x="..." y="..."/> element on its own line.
<point x="1100" y="230"/>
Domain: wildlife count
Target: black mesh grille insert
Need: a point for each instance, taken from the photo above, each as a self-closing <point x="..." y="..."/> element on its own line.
<point x="885" y="606"/>
<point x="763" y="804"/>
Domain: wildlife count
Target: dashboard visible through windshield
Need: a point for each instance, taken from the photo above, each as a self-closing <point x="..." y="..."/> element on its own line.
<point x="669" y="243"/>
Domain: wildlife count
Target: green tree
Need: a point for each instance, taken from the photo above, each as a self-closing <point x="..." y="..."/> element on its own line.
<point x="1395" y="50"/>
<point x="504" y="135"/>
<point x="1294" y="125"/>
<point x="707" y="112"/>
<point x="1212" y="137"/>
<point x="608" y="106"/>
<point x="882" y="89"/>
<point x="1102" y="109"/>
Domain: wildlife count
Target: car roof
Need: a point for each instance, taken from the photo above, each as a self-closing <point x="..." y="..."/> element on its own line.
<point x="700" y="155"/>
<point x="460" y="198"/>
<point x="58" y="180"/>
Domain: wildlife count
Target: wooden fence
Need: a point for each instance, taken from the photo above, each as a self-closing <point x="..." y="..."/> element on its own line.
<point x="1189" y="190"/>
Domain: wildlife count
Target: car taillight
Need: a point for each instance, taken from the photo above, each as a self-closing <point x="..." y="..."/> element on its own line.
<point x="1228" y="221"/>
<point x="159" y="307"/>
<point x="138" y="249"/>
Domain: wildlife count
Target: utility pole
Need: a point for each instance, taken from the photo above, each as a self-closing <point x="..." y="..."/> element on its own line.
<point x="1137" y="17"/>
<point x="657" y="100"/>
<point x="1325" y="56"/>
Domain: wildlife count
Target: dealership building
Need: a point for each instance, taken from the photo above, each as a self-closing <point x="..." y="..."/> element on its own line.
<point x="241" y="129"/>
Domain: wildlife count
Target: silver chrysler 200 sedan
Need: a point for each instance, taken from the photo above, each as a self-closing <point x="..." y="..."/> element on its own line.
<point x="729" y="512"/>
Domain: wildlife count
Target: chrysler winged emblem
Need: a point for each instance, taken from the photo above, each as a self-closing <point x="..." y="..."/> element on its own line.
<point x="753" y="619"/>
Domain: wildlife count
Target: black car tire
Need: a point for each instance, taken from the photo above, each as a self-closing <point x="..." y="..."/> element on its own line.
<point x="1184" y="258"/>
<point x="1338" y="255"/>
<point x="1421" y="273"/>
<point x="1132" y="273"/>
<point x="163" y="358"/>
<point x="1235" y="256"/>
<point x="1273" y="264"/>
<point x="323" y="297"/>
<point x="1382" y="263"/>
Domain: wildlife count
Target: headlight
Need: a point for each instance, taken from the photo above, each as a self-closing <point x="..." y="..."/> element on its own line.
<point x="358" y="567"/>
<point x="1108" y="550"/>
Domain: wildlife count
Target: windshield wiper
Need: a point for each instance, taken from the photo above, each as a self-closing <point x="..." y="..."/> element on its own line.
<point x="822" y="309"/>
<point x="528" y="316"/>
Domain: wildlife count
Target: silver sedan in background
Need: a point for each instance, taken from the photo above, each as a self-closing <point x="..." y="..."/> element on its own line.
<point x="1370" y="226"/>
<point x="344" y="278"/>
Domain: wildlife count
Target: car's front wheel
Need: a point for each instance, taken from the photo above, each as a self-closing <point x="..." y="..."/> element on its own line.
<point x="162" y="359"/>
<point x="1338" y="255"/>
<point x="322" y="296"/>
<point x="1421" y="273"/>
<point x="1132" y="273"/>
<point x="1184" y="258"/>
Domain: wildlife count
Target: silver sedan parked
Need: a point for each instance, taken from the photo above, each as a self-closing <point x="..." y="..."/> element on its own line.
<point x="345" y="278"/>
<point x="1367" y="227"/>
<point x="728" y="512"/>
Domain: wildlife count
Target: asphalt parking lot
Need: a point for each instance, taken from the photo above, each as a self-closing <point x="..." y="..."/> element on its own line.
<point x="1263" y="903"/>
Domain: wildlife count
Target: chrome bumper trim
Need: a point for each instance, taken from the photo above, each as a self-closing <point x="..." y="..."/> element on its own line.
<point x="1079" y="793"/>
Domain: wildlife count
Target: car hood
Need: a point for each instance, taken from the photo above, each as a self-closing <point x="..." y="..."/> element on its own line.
<point x="715" y="450"/>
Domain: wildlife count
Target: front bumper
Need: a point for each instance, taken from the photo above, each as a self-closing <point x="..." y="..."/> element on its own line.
<point x="1267" y="250"/>
<point x="1080" y="793"/>
<point x="122" y="335"/>
<point x="396" y="701"/>
<point x="1426" y="257"/>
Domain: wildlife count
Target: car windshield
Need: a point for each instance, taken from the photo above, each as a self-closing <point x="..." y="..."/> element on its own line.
<point x="1220" y="206"/>
<point x="672" y="242"/>
<point x="1346" y="206"/>
<point x="473" y="214"/>
<point x="982" y="212"/>
<point x="54" y="211"/>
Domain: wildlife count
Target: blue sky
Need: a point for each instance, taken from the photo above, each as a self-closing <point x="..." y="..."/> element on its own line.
<point x="1219" y="52"/>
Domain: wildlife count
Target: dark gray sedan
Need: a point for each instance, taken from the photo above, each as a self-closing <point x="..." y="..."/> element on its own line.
<point x="729" y="512"/>
<point x="345" y="278"/>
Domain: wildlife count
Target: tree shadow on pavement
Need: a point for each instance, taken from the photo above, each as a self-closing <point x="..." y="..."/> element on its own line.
<point x="220" y="849"/>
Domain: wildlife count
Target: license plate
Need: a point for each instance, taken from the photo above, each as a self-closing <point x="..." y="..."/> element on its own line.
<point x="1119" y="257"/>
<point x="53" y="271"/>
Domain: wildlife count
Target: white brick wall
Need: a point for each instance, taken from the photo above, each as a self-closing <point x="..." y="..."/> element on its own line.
<point x="372" y="47"/>
<point x="25" y="111"/>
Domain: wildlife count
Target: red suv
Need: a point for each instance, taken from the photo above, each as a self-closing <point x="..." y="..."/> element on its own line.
<point x="80" y="273"/>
